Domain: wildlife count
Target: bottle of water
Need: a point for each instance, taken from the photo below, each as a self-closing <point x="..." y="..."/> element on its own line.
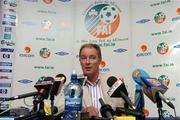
<point x="73" y="98"/>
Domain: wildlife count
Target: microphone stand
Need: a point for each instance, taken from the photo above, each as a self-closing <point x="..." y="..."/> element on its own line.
<point x="126" y="105"/>
<point x="36" y="113"/>
<point x="52" y="104"/>
<point x="35" y="105"/>
<point x="140" y="103"/>
<point x="159" y="106"/>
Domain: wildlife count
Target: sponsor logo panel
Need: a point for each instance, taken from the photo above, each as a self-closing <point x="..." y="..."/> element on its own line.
<point x="159" y="17"/>
<point x="120" y="50"/>
<point x="7" y="29"/>
<point x="177" y="85"/>
<point x="5" y="85"/>
<point x="3" y="91"/>
<point x="142" y="21"/>
<point x="5" y="70"/>
<point x="164" y="79"/>
<point x="61" y="53"/>
<point x="10" y="3"/>
<point x="6" y="56"/>
<point x="145" y="51"/>
<point x="6" y="50"/>
<point x="7" y="43"/>
<point x="102" y="20"/>
<point x="27" y="53"/>
<point x="104" y="66"/>
<point x="44" y="53"/>
<point x="9" y="23"/>
<point x="25" y="81"/>
<point x="162" y="48"/>
<point x="177" y="46"/>
<point x="5" y="63"/>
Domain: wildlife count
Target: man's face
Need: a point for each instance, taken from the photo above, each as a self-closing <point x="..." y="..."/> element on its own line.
<point x="89" y="61"/>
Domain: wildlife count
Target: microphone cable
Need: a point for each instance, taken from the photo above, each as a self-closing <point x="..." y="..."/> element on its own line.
<point x="24" y="100"/>
<point x="5" y="110"/>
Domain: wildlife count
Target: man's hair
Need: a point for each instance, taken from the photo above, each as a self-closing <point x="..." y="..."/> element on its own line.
<point x="91" y="45"/>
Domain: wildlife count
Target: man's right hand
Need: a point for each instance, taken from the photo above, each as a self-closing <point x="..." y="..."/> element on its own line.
<point x="92" y="111"/>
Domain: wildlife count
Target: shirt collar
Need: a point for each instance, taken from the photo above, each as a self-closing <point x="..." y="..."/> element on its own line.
<point x="87" y="82"/>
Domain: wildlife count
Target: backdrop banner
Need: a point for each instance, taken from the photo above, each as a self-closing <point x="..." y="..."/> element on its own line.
<point x="42" y="38"/>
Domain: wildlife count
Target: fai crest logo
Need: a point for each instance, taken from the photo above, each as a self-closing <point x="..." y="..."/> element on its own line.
<point x="45" y="53"/>
<point x="164" y="80"/>
<point x="162" y="48"/>
<point x="102" y="20"/>
<point x="159" y="17"/>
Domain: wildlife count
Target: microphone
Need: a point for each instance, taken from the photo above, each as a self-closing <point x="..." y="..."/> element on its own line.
<point x="151" y="87"/>
<point x="137" y="74"/>
<point x="20" y="96"/>
<point x="44" y="86"/>
<point x="120" y="111"/>
<point x="163" y="98"/>
<point x="59" y="81"/>
<point x="106" y="110"/>
<point x="61" y="77"/>
<point x="81" y="79"/>
<point x="118" y="89"/>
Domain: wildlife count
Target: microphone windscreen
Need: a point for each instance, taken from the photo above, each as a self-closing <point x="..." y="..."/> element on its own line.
<point x="44" y="86"/>
<point x="44" y="81"/>
<point x="61" y="75"/>
<point x="111" y="80"/>
<point x="40" y="79"/>
<point x="137" y="74"/>
<point x="49" y="79"/>
<point x="59" y="81"/>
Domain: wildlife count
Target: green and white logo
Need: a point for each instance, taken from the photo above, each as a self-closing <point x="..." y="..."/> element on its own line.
<point x="102" y="20"/>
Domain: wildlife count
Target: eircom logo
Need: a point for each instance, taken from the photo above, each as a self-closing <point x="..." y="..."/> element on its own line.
<point x="102" y="20"/>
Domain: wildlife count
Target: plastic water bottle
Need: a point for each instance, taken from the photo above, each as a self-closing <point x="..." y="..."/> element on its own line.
<point x="73" y="98"/>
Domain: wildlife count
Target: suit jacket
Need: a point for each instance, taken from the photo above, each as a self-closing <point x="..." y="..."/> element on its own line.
<point x="114" y="102"/>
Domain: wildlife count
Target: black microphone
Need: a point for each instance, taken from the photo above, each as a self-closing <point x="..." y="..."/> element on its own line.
<point x="61" y="77"/>
<point x="120" y="111"/>
<point x="81" y="79"/>
<point x="118" y="89"/>
<point x="20" y="96"/>
<point x="106" y="110"/>
<point x="44" y="86"/>
<point x="59" y="81"/>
